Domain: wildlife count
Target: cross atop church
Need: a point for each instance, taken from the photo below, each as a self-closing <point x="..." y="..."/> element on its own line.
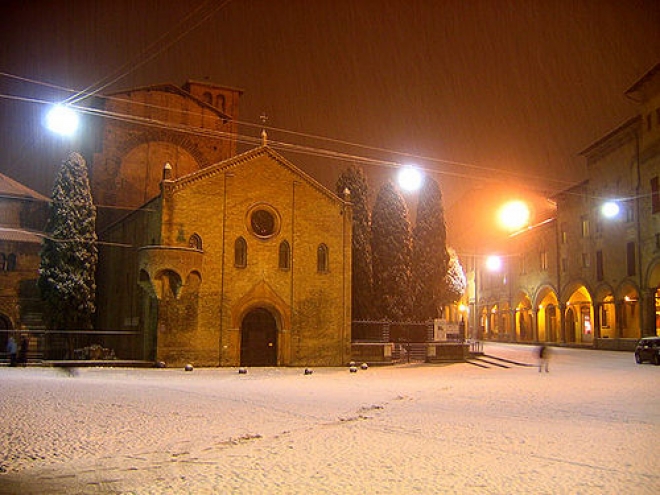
<point x="264" y="135"/>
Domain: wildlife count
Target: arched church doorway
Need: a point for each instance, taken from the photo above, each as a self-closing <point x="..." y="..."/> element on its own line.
<point x="259" y="339"/>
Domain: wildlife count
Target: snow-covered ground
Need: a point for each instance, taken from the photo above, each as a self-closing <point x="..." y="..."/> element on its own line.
<point x="591" y="425"/>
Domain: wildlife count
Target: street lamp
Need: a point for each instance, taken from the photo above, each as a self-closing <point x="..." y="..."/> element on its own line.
<point x="610" y="209"/>
<point x="410" y="178"/>
<point x="62" y="119"/>
<point x="494" y="263"/>
<point x="514" y="215"/>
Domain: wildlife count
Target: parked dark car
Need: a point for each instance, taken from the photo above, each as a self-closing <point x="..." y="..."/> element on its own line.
<point x="648" y="349"/>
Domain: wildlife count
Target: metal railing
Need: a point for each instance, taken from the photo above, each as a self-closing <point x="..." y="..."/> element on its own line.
<point x="78" y="345"/>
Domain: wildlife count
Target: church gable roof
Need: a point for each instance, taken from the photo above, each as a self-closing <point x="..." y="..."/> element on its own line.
<point x="170" y="88"/>
<point x="238" y="160"/>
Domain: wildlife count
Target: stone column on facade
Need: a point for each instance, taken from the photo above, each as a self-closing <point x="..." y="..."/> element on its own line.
<point x="284" y="347"/>
<point x="535" y="324"/>
<point x="166" y="188"/>
<point x="561" y="331"/>
<point x="512" y="325"/>
<point x="619" y="308"/>
<point x="647" y="312"/>
<point x="596" y="326"/>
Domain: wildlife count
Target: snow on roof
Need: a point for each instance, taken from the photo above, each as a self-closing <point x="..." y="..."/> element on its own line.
<point x="11" y="188"/>
<point x="8" y="234"/>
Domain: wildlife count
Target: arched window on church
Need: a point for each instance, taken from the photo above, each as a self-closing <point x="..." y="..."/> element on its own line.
<point x="195" y="242"/>
<point x="207" y="98"/>
<point x="220" y="102"/>
<point x="240" y="253"/>
<point x="284" y="255"/>
<point x="322" y="262"/>
<point x="170" y="284"/>
<point x="11" y="262"/>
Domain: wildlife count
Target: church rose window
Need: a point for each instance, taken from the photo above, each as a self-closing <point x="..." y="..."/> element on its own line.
<point x="263" y="221"/>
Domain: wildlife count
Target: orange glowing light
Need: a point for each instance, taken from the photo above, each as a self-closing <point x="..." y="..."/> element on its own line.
<point x="494" y="263"/>
<point x="514" y="215"/>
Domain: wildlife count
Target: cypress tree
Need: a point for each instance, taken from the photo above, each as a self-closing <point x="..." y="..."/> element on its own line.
<point x="355" y="181"/>
<point x="392" y="251"/>
<point x="69" y="253"/>
<point x="455" y="280"/>
<point x="430" y="258"/>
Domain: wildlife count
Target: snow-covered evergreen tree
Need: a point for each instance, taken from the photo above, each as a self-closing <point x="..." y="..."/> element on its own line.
<point x="429" y="260"/>
<point x="69" y="254"/>
<point x="355" y="181"/>
<point x="392" y="251"/>
<point x="455" y="280"/>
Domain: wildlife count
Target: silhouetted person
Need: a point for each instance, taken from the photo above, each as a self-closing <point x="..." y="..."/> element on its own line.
<point x="23" y="350"/>
<point x="544" y="357"/>
<point x="12" y="349"/>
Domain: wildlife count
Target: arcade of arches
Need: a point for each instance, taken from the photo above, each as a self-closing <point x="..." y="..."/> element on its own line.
<point x="575" y="318"/>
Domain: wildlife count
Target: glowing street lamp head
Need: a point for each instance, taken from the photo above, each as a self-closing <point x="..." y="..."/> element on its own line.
<point x="494" y="263"/>
<point x="409" y="178"/>
<point x="610" y="209"/>
<point x="514" y="215"/>
<point x="61" y="119"/>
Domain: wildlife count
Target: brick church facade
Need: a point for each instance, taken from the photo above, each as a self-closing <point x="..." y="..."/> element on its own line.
<point x="222" y="259"/>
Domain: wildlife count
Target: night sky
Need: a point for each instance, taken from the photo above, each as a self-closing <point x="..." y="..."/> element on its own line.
<point x="471" y="91"/>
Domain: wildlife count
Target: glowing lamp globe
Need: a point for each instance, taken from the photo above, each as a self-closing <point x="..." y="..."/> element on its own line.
<point x="62" y="120"/>
<point x="610" y="209"/>
<point x="410" y="179"/>
<point x="494" y="263"/>
<point x="514" y="215"/>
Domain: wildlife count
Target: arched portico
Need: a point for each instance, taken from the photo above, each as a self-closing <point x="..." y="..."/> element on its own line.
<point x="604" y="313"/>
<point x="524" y="329"/>
<point x="628" y="303"/>
<point x="652" y="296"/>
<point x="578" y="316"/>
<point x="548" y="319"/>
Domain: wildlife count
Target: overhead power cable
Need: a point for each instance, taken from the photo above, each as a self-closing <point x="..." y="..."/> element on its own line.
<point x="307" y="150"/>
<point x="203" y="11"/>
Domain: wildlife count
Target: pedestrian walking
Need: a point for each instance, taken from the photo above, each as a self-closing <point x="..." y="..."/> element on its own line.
<point x="23" y="350"/>
<point x="544" y="357"/>
<point x="12" y="349"/>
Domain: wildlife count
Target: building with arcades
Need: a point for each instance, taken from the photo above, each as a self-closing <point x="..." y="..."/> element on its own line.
<point x="22" y="218"/>
<point x="585" y="275"/>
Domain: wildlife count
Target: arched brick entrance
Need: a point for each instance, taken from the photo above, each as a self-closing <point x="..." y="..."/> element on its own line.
<point x="259" y="338"/>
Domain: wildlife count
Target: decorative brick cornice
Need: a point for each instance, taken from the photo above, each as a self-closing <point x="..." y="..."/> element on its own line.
<point x="227" y="165"/>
